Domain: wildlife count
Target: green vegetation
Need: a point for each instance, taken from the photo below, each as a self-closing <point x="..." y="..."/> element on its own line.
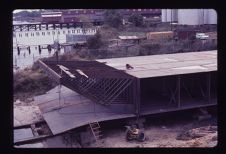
<point x="113" y="18"/>
<point x="28" y="14"/>
<point x="30" y="82"/>
<point x="95" y="42"/>
<point x="136" y="19"/>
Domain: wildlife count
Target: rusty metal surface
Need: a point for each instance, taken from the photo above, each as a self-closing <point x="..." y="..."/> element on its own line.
<point x="56" y="77"/>
<point x="72" y="110"/>
<point x="94" y="80"/>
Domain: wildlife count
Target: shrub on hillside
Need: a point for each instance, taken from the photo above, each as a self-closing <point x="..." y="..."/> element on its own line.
<point x="31" y="82"/>
<point x="113" y="18"/>
<point x="95" y="41"/>
<point x="136" y="19"/>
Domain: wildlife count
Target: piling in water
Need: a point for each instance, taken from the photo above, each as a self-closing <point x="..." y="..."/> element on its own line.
<point x="18" y="50"/>
<point x="29" y="50"/>
<point x="39" y="49"/>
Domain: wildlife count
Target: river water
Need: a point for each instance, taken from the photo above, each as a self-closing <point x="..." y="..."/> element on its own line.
<point x="23" y="39"/>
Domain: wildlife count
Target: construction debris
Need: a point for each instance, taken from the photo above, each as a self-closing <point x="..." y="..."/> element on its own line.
<point x="196" y="133"/>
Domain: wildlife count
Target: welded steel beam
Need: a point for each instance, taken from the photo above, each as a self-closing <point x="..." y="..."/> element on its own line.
<point x="209" y="86"/>
<point x="136" y="96"/>
<point x="119" y="91"/>
<point x="51" y="73"/>
<point x="101" y="83"/>
<point x="178" y="90"/>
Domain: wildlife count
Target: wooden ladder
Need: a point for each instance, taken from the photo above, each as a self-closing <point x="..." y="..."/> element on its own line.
<point x="95" y="128"/>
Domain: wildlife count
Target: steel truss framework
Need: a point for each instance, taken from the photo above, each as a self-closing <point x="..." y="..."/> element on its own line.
<point x="94" y="80"/>
<point x="106" y="85"/>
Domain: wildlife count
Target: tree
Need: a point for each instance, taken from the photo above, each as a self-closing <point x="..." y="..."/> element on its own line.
<point x="27" y="14"/>
<point x="87" y="23"/>
<point x="136" y="19"/>
<point x="113" y="18"/>
<point x="95" y="41"/>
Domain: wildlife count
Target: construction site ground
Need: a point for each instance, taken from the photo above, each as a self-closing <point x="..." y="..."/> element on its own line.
<point x="191" y="133"/>
<point x="180" y="129"/>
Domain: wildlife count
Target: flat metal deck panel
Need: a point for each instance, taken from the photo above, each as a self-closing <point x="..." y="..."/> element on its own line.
<point x="20" y="134"/>
<point x="153" y="59"/>
<point x="170" y="65"/>
<point x="71" y="117"/>
<point x="74" y="110"/>
<point x="147" y="66"/>
<point x="51" y="100"/>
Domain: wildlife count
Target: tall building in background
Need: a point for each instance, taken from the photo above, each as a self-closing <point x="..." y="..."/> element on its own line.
<point x="190" y="16"/>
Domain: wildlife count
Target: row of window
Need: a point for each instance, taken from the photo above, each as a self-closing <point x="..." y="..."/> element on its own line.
<point x="53" y="32"/>
<point x="142" y="9"/>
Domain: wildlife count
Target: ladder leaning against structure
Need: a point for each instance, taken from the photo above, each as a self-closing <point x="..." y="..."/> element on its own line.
<point x="96" y="130"/>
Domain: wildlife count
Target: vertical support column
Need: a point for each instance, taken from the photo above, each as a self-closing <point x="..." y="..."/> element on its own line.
<point x="209" y="87"/>
<point x="40" y="26"/>
<point x="47" y="26"/>
<point x="136" y="96"/>
<point x="178" y="91"/>
<point x="28" y="27"/>
<point x="35" y="27"/>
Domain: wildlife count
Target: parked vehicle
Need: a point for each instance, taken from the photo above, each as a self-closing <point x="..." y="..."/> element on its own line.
<point x="201" y="36"/>
<point x="133" y="133"/>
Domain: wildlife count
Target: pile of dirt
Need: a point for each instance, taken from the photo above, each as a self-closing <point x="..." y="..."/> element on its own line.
<point x="196" y="133"/>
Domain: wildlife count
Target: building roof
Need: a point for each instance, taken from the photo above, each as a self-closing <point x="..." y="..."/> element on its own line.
<point x="166" y="64"/>
<point x="162" y="32"/>
<point x="130" y="37"/>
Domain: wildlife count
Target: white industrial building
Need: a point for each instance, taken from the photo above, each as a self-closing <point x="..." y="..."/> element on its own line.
<point x="169" y="15"/>
<point x="190" y="16"/>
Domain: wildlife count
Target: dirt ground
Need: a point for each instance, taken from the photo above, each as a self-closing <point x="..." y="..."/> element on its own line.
<point x="25" y="113"/>
<point x="190" y="133"/>
<point x="156" y="137"/>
